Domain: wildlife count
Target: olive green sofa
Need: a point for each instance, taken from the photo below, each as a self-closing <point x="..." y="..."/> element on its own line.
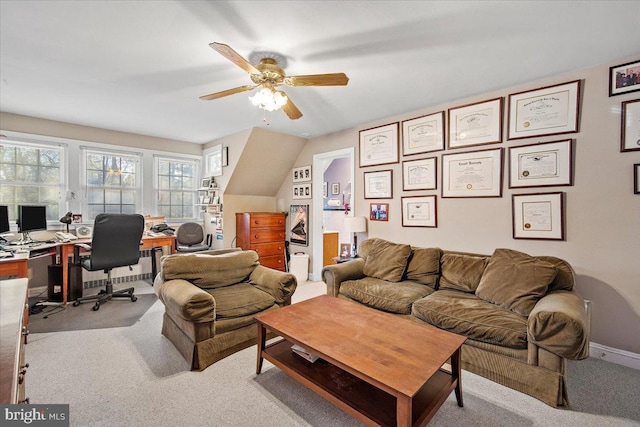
<point x="210" y="299"/>
<point x="520" y="314"/>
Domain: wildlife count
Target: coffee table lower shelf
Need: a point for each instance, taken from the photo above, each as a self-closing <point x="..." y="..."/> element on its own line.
<point x="355" y="396"/>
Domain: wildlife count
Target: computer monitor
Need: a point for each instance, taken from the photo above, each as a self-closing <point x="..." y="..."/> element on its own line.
<point x="31" y="218"/>
<point x="4" y="219"/>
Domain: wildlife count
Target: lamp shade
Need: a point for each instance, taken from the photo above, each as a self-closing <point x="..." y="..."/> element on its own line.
<point x="355" y="224"/>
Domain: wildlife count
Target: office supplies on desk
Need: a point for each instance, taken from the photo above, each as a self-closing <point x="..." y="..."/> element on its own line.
<point x="6" y="254"/>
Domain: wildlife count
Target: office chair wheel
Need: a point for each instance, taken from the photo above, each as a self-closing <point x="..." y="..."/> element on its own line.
<point x="76" y="303"/>
<point x="96" y="307"/>
<point x="134" y="298"/>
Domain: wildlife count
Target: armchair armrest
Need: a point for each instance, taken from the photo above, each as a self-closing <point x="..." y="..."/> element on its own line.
<point x="334" y="275"/>
<point x="558" y="323"/>
<point x="277" y="283"/>
<point x="187" y="301"/>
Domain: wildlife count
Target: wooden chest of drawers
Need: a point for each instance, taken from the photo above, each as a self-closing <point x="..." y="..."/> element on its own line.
<point x="263" y="232"/>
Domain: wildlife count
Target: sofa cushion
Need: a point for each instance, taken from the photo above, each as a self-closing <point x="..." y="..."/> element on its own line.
<point x="515" y="280"/>
<point x="424" y="266"/>
<point x="383" y="295"/>
<point x="210" y="271"/>
<point x="241" y="299"/>
<point x="386" y="260"/>
<point x="462" y="272"/>
<point x="466" y="314"/>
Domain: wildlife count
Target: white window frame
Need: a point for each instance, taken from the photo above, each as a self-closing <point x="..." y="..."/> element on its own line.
<point x="196" y="161"/>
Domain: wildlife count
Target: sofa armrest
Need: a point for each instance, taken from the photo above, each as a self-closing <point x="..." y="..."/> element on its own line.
<point x="558" y="323"/>
<point x="334" y="275"/>
<point x="187" y="301"/>
<point x="277" y="283"/>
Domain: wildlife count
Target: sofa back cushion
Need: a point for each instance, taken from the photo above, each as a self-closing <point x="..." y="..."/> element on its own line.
<point x="386" y="260"/>
<point x="515" y="280"/>
<point x="462" y="272"/>
<point x="210" y="271"/>
<point x="424" y="266"/>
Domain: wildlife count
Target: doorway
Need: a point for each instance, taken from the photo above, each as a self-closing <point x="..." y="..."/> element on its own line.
<point x="320" y="164"/>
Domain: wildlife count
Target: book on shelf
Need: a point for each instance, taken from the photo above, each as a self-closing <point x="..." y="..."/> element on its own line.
<point x="300" y="351"/>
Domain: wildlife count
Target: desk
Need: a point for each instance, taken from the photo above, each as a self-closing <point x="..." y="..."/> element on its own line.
<point x="17" y="266"/>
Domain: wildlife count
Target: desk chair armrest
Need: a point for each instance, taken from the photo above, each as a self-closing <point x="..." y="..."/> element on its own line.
<point x="76" y="251"/>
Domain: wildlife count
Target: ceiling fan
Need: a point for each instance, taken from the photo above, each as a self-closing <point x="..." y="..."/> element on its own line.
<point x="269" y="76"/>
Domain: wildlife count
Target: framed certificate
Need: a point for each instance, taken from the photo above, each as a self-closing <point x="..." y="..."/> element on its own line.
<point x="379" y="145"/>
<point x="423" y="134"/>
<point x="476" y="124"/>
<point x="541" y="165"/>
<point x="538" y="216"/>
<point x="378" y="185"/>
<point x="550" y="110"/>
<point x="419" y="174"/>
<point x="472" y="174"/>
<point x="624" y="78"/>
<point x="419" y="211"/>
<point x="630" y="136"/>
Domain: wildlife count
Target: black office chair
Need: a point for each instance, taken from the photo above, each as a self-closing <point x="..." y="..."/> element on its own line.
<point x="115" y="243"/>
<point x="190" y="238"/>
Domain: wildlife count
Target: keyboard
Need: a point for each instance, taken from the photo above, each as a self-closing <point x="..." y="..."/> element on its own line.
<point x="6" y="254"/>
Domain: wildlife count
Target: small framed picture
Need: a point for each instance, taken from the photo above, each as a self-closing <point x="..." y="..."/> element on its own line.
<point x="538" y="216"/>
<point x="379" y="211"/>
<point x="302" y="174"/>
<point x="345" y="250"/>
<point x="550" y="110"/>
<point x="76" y="218"/>
<point x="541" y="165"/>
<point x="206" y="183"/>
<point x="335" y="188"/>
<point x="624" y="78"/>
<point x="378" y="185"/>
<point x="379" y="145"/>
<point x="299" y="225"/>
<point x="423" y="134"/>
<point x="419" y="174"/>
<point x="636" y="178"/>
<point x="419" y="211"/>
<point x="630" y="134"/>
<point x="472" y="174"/>
<point x="476" y="124"/>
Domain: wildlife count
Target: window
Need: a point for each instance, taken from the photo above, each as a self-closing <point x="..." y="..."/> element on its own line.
<point x="112" y="182"/>
<point x="32" y="174"/>
<point x="176" y="185"/>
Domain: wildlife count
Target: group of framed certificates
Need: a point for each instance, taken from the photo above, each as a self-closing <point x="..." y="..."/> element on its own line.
<point x="546" y="111"/>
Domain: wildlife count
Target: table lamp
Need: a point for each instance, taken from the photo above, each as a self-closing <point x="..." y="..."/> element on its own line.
<point x="355" y="225"/>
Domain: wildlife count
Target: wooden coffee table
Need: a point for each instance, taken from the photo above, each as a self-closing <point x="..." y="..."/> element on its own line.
<point x="380" y="368"/>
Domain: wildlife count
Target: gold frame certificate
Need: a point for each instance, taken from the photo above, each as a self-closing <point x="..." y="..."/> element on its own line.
<point x="419" y="211"/>
<point x="423" y="134"/>
<point x="541" y="165"/>
<point x="476" y="124"/>
<point x="630" y="136"/>
<point x="472" y="174"/>
<point x="538" y="216"/>
<point x="379" y="145"/>
<point x="550" y="110"/>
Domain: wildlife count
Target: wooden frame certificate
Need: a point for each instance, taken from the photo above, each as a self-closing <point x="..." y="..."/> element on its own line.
<point x="378" y="185"/>
<point x="472" y="174"/>
<point x="630" y="135"/>
<point x="419" y="211"/>
<point x="476" y="124"/>
<point x="419" y="174"/>
<point x="538" y="216"/>
<point x="379" y="145"/>
<point x="423" y="134"/>
<point x="549" y="110"/>
<point x="541" y="165"/>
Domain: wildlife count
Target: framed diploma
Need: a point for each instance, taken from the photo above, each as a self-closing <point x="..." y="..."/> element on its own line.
<point x="630" y="136"/>
<point x="541" y="165"/>
<point x="419" y="211"/>
<point x="379" y="145"/>
<point x="423" y="134"/>
<point x="472" y="174"/>
<point x="636" y="178"/>
<point x="550" y="110"/>
<point x="419" y="174"/>
<point x="538" y="216"/>
<point x="378" y="185"/>
<point x="379" y="211"/>
<point x="476" y="124"/>
<point x="624" y="78"/>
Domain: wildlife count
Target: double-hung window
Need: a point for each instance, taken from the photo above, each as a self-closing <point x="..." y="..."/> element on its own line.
<point x="112" y="181"/>
<point x="176" y="180"/>
<point x="32" y="174"/>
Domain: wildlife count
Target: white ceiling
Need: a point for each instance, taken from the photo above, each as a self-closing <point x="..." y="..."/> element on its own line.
<point x="140" y="66"/>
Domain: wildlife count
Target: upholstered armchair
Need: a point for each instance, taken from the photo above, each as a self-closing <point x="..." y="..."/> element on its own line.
<point x="210" y="300"/>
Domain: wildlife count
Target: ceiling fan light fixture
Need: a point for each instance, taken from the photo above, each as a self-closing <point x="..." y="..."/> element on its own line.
<point x="269" y="99"/>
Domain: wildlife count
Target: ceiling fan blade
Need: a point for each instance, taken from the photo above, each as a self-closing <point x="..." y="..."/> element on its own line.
<point x="336" y="79"/>
<point x="291" y="109"/>
<point x="234" y="57"/>
<point x="226" y="92"/>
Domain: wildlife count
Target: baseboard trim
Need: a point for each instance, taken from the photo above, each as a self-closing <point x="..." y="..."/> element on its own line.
<point x="615" y="355"/>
